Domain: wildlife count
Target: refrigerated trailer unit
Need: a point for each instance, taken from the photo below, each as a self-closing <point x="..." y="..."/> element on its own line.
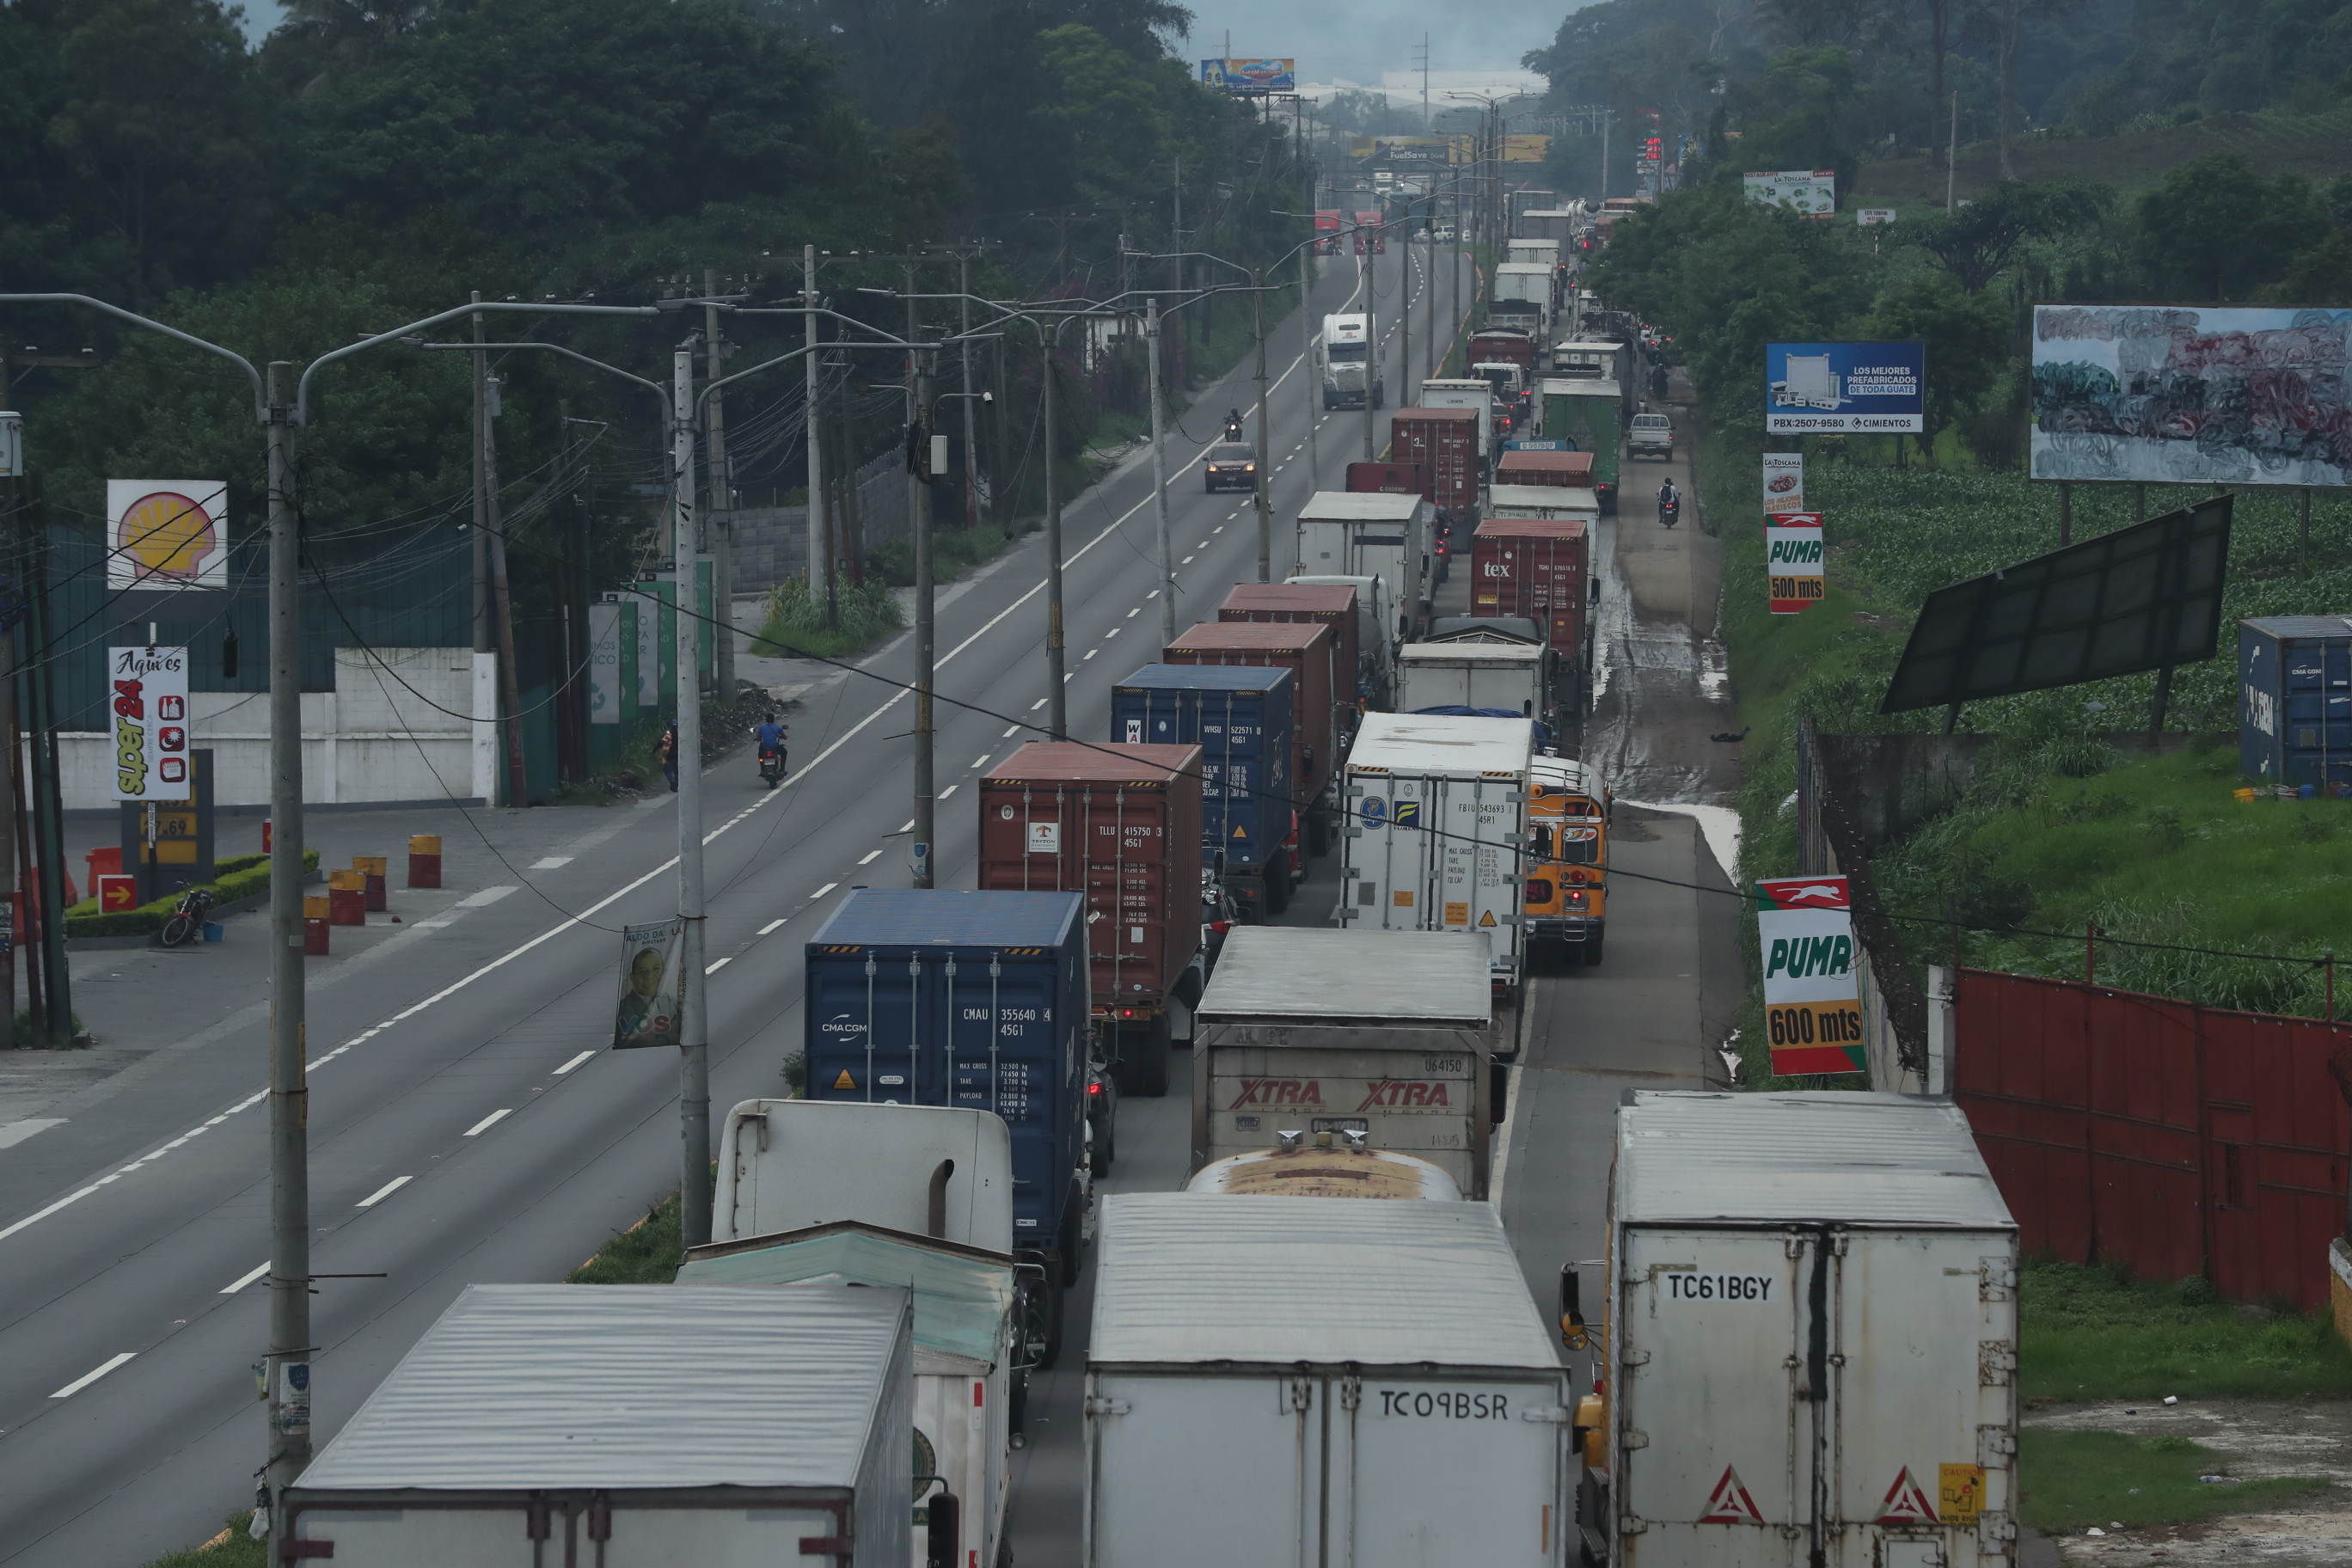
<point x="1437" y="818"/>
<point x="628" y="1426"/>
<point x="1122" y="825"/>
<point x="1812" y="1337"/>
<point x="1301" y="1381"/>
<point x="1385" y="1035"/>
<point x="1388" y="537"/>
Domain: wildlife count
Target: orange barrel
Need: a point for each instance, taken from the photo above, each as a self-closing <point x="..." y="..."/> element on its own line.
<point x="375" y="868"/>
<point x="424" y="860"/>
<point x="347" y="898"/>
<point x="315" y="918"/>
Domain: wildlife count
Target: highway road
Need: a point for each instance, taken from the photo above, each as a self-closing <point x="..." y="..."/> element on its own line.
<point x="465" y="1124"/>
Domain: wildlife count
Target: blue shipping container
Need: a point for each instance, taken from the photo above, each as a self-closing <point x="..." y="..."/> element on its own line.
<point x="2294" y="699"/>
<point x="918" y="997"/>
<point x="1240" y="717"/>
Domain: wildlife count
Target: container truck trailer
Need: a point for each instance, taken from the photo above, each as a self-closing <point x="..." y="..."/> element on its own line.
<point x="1333" y="605"/>
<point x="1445" y="443"/>
<point x="1323" y="723"/>
<point x="1376" y="631"/>
<point x="1540" y="568"/>
<point x="1383" y="536"/>
<point x="1240" y="716"/>
<point x="1589" y="412"/>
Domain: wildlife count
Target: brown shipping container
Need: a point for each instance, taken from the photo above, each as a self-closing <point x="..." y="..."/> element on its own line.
<point x="1389" y="480"/>
<point x="1312" y="656"/>
<point x="1121" y="823"/>
<point x="1446" y="440"/>
<point x="1572" y="470"/>
<point x="1329" y="605"/>
<point x="1534" y="567"/>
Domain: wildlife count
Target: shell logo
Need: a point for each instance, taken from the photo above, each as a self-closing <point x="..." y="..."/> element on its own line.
<point x="167" y="534"/>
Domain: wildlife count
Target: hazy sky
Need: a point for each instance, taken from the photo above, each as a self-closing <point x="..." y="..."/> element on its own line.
<point x="1356" y="40"/>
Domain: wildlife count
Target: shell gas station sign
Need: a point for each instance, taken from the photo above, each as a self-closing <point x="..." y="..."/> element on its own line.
<point x="166" y="534"/>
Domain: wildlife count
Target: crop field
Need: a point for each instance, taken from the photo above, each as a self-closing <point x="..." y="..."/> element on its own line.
<point x="2308" y="144"/>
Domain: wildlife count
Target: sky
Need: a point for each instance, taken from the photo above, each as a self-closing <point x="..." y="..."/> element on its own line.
<point x="1355" y="42"/>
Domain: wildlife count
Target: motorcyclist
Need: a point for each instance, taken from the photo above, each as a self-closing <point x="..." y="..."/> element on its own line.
<point x="1670" y="502"/>
<point x="771" y="738"/>
<point x="1233" y="424"/>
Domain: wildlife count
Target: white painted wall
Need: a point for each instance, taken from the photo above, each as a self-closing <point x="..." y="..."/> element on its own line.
<point x="394" y="728"/>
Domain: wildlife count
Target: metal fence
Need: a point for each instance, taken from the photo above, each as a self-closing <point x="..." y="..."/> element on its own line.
<point x="2173" y="1138"/>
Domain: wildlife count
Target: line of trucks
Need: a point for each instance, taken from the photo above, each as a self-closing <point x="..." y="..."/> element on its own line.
<point x="1803" y="1344"/>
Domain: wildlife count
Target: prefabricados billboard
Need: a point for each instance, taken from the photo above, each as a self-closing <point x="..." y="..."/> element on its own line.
<point x="1812" y="192"/>
<point x="2185" y="393"/>
<point x="1251" y="77"/>
<point x="1847" y="388"/>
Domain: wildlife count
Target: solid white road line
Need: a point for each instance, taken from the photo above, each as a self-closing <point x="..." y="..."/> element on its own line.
<point x="575" y="1062"/>
<point x="487" y="1122"/>
<point x="870" y="857"/>
<point x="980" y="762"/>
<point x="383" y="1192"/>
<point x="715" y="964"/>
<point x="947" y="792"/>
<point x="86" y="1379"/>
<point x="247" y="1280"/>
<point x="823" y="891"/>
<point x="770" y="927"/>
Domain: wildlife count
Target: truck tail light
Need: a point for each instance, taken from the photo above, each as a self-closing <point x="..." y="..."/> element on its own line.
<point x="1575" y="878"/>
<point x="1221" y="927"/>
<point x="1094" y="1088"/>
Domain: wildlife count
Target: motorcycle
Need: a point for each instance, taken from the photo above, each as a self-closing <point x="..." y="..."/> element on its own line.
<point x="772" y="766"/>
<point x="186" y="922"/>
<point x="1668" y="511"/>
<point x="1233" y="429"/>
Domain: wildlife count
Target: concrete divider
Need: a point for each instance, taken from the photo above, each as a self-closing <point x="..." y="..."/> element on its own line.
<point x="424" y="860"/>
<point x="317" y="915"/>
<point x="375" y="868"/>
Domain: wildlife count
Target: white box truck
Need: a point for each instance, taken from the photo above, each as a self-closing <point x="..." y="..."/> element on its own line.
<point x="1346" y="534"/>
<point x="1545" y="502"/>
<point x="1465" y="392"/>
<point x="1383" y="1035"/>
<point x="1304" y="1381"/>
<point x="1522" y="297"/>
<point x="1489" y="676"/>
<point x="1811" y="1338"/>
<point x="1437" y="817"/>
<point x="1377" y="625"/>
<point x="653" y="1424"/>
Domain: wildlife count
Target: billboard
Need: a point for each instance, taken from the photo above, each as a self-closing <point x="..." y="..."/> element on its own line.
<point x="1845" y="388"/>
<point x="1792" y="561"/>
<point x="1251" y="78"/>
<point x="1784" y="482"/>
<point x="2186" y="393"/>
<point x="147" y="691"/>
<point x="1812" y="192"/>
<point x="1527" y="148"/>
<point x="1812" y="1008"/>
<point x="166" y="534"/>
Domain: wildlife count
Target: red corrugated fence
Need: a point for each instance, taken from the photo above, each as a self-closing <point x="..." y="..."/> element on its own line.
<point x="2174" y="1139"/>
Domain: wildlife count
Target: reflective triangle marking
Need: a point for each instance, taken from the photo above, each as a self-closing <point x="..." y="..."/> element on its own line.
<point x="844" y="1080"/>
<point x="1487" y="918"/>
<point x="1729" y="1502"/>
<point x="1905" y="1502"/>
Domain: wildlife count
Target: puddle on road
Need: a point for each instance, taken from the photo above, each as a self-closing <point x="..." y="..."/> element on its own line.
<point x="1661" y="693"/>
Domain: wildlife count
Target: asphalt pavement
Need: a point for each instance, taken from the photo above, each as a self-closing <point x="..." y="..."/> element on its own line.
<point x="466" y="1124"/>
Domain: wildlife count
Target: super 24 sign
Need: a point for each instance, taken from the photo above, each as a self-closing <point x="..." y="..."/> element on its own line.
<point x="148" y="687"/>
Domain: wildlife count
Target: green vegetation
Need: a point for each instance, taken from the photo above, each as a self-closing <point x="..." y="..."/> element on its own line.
<point x="2092" y="1334"/>
<point x="239" y="876"/>
<point x="866" y="614"/>
<point x="2072" y="1480"/>
<point x="648" y="1253"/>
<point x="232" y="1548"/>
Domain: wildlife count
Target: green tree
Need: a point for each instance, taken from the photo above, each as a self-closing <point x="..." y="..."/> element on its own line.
<point x="1967" y="341"/>
<point x="1978" y="241"/>
<point x="2214" y="230"/>
<point x="1795" y="114"/>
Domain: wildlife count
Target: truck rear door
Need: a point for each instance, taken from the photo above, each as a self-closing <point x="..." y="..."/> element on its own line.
<point x="1198" y="1469"/>
<point x="1717" y="1449"/>
<point x="1447" y="1471"/>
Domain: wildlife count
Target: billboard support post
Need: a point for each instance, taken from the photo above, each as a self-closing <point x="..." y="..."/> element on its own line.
<point x="2065" y="512"/>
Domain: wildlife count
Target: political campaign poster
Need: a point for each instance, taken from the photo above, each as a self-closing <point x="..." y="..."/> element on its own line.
<point x="166" y="535"/>
<point x="1813" y="1005"/>
<point x="652" y="985"/>
<point x="147" y="701"/>
<point x="1792" y="561"/>
<point x="1784" y="482"/>
<point x="1811" y="192"/>
<point x="2191" y="394"/>
<point x="1873" y="389"/>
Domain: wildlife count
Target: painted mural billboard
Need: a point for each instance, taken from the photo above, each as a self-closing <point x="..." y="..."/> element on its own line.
<point x="2188" y="393"/>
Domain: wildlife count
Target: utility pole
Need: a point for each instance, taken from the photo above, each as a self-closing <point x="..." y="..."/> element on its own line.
<point x="970" y="441"/>
<point x="1057" y="718"/>
<point x="919" y="473"/>
<point x="1308" y="380"/>
<point x="1176" y="243"/>
<point x="722" y="500"/>
<point x="287" y="1370"/>
<point x="1160" y="477"/>
<point x="820" y="537"/>
<point x="482" y="630"/>
<point x="1265" y="473"/>
<point x="12" y="489"/>
<point x="1367" y="273"/>
<point x="1952" y="162"/>
<point x="1404" y="320"/>
<point x="502" y="602"/>
<point x="693" y="1018"/>
<point x="1605" y="155"/>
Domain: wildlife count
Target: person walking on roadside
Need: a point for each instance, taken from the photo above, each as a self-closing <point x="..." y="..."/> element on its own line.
<point x="667" y="753"/>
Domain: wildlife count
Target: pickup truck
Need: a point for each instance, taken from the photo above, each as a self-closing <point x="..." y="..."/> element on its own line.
<point x="1652" y="436"/>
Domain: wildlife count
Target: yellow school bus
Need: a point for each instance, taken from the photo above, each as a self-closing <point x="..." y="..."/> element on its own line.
<point x="1567" y="859"/>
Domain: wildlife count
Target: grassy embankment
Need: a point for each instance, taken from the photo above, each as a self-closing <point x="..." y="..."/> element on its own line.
<point x="869" y="615"/>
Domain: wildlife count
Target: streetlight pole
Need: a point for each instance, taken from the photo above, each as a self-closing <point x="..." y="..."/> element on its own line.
<point x="1160" y="477"/>
<point x="694" y="1021"/>
<point x="1367" y="276"/>
<point x="820" y="549"/>
<point x="1264" y="475"/>
<point x="1057" y="724"/>
<point x="1309" y="382"/>
<point x="919" y="465"/>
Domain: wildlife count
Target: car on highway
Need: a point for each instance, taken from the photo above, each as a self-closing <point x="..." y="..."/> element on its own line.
<point x="1652" y="436"/>
<point x="1232" y="465"/>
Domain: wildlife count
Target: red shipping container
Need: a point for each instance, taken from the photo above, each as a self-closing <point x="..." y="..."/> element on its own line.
<point x="1389" y="479"/>
<point x="1501" y="347"/>
<point x="1305" y="604"/>
<point x="1446" y="440"/>
<point x="1535" y="567"/>
<point x="1572" y="470"/>
<point x="1312" y="656"/>
<point x="1121" y="824"/>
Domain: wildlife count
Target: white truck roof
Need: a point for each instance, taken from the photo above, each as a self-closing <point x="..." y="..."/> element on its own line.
<point x="1432" y="979"/>
<point x="1698" y="1158"/>
<point x="1542" y="500"/>
<point x="1452" y="744"/>
<point x="1192" y="1278"/>
<point x="1481" y="652"/>
<point x="1359" y="506"/>
<point x="787" y="1164"/>
<point x="629" y="1386"/>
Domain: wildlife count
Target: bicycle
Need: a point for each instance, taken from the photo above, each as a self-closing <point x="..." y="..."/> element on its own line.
<point x="185" y="924"/>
